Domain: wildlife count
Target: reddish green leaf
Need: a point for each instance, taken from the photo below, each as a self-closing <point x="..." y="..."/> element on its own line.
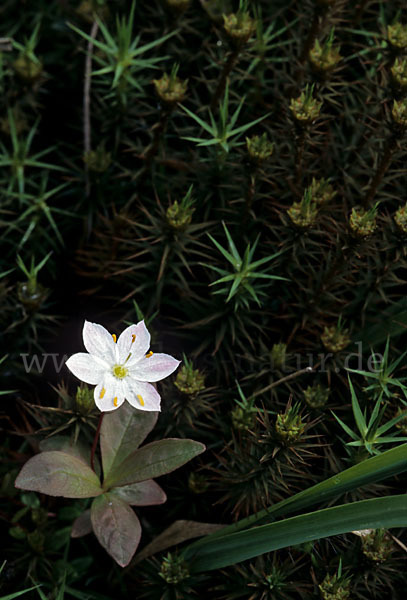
<point x="145" y="493"/>
<point x="116" y="526"/>
<point x="64" y="444"/>
<point x="82" y="525"/>
<point x="59" y="474"/>
<point x="122" y="432"/>
<point x="153" y="460"/>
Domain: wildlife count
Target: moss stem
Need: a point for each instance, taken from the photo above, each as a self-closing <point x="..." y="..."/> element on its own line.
<point x="381" y="170"/>
<point x="227" y="68"/>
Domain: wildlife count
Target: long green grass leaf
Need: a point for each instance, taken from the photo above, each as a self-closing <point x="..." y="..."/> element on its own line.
<point x="234" y="548"/>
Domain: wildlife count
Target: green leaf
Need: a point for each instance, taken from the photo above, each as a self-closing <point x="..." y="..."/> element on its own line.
<point x="359" y="418"/>
<point x="116" y="526"/>
<point x="200" y="122"/>
<point x="232" y="246"/>
<point x="231" y="549"/>
<point x="59" y="474"/>
<point x="153" y="460"/>
<point x="151" y="45"/>
<point x="390" y="423"/>
<point x="244" y="128"/>
<point x="145" y="493"/>
<point x="346" y="428"/>
<point x="389" y="463"/>
<point x="223" y="251"/>
<point x="122" y="432"/>
<point x="18" y="594"/>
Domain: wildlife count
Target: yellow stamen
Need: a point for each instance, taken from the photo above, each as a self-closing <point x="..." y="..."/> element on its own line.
<point x="115" y="401"/>
<point x="133" y="338"/>
<point x="140" y="399"/>
<point x="102" y="392"/>
<point x="149" y="354"/>
<point x="114" y="337"/>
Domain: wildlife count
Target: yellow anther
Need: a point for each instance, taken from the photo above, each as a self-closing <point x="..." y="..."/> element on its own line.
<point x="133" y="338"/>
<point x="149" y="354"/>
<point x="102" y="392"/>
<point x="115" y="400"/>
<point x="114" y="337"/>
<point x="140" y="399"/>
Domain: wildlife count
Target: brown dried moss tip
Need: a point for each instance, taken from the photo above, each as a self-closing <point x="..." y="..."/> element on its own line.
<point x="316" y="396"/>
<point x="278" y="355"/>
<point x="289" y="426"/>
<point x="399" y="113"/>
<point x="377" y="545"/>
<point x="400" y="218"/>
<point x="98" y="160"/>
<point x="84" y="401"/>
<point x="399" y="73"/>
<point x="170" y="89"/>
<point x="335" y="338"/>
<point x="335" y="588"/>
<point x="324" y="58"/>
<point x="179" y="216"/>
<point x="363" y="222"/>
<point x="322" y="191"/>
<point x="190" y="381"/>
<point x="304" y="214"/>
<point x="239" y="27"/>
<point x="259" y="148"/>
<point x="174" y="569"/>
<point x="397" y="36"/>
<point x="31" y="296"/>
<point x="305" y="109"/>
<point x="28" y="69"/>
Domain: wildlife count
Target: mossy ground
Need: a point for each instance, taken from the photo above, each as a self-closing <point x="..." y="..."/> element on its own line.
<point x="135" y="181"/>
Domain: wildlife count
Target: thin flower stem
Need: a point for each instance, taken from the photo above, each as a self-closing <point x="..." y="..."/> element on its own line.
<point x="282" y="380"/>
<point x="95" y="442"/>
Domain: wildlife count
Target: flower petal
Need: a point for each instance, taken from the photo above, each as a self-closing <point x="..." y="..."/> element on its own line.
<point x="87" y="368"/>
<point x="154" y="368"/>
<point x="109" y="393"/>
<point x="99" y="342"/>
<point x="141" y="395"/>
<point x="137" y="345"/>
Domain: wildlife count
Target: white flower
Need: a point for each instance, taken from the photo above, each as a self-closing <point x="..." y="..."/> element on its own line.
<point x="121" y="370"/>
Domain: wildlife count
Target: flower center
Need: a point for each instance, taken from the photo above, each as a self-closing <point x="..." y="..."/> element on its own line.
<point x="119" y="371"/>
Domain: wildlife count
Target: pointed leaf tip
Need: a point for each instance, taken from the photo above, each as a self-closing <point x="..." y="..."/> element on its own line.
<point x="153" y="460"/>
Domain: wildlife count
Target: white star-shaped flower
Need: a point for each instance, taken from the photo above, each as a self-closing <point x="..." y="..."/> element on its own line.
<point x="121" y="370"/>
